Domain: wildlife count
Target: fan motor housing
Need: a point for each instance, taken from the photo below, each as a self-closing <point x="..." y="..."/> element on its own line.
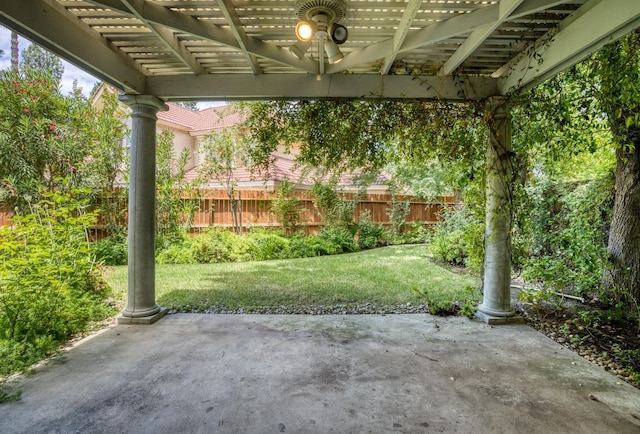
<point x="334" y="9"/>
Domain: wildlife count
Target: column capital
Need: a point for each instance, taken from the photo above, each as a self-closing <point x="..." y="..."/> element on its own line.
<point x="497" y="107"/>
<point x="144" y="105"/>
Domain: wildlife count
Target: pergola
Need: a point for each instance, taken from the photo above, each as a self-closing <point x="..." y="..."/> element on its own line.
<point x="155" y="50"/>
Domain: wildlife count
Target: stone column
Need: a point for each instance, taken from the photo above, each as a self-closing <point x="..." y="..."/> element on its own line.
<point x="496" y="305"/>
<point x="141" y="304"/>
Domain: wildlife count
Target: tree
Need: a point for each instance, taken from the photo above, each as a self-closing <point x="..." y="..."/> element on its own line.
<point x="173" y="212"/>
<point x="35" y="58"/>
<point x="39" y="134"/>
<point x="191" y="105"/>
<point x="616" y="72"/>
<point x="223" y="152"/>
<point x="15" y="52"/>
<point x="287" y="208"/>
<point x="341" y="135"/>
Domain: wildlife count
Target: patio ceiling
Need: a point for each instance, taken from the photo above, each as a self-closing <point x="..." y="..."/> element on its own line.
<point x="238" y="49"/>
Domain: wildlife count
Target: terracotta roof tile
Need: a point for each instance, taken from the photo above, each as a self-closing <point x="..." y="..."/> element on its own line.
<point x="214" y="118"/>
<point x="180" y="116"/>
<point x="283" y="168"/>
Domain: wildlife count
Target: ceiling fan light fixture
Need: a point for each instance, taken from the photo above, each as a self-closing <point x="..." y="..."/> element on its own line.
<point x="334" y="55"/>
<point x="305" y="30"/>
<point x="338" y="33"/>
<point x="299" y="48"/>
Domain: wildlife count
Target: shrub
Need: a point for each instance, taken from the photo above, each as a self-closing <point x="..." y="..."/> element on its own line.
<point x="287" y="208"/>
<point x="369" y="234"/>
<point x="416" y="233"/>
<point x="270" y="245"/>
<point x="341" y="237"/>
<point x="203" y="249"/>
<point x="110" y="251"/>
<point x="458" y="240"/>
<point x="180" y="253"/>
<point x="308" y="246"/>
<point x="570" y="224"/>
<point x="49" y="288"/>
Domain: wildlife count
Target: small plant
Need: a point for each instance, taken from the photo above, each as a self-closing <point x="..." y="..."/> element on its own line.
<point x="10" y="397"/>
<point x="468" y="309"/>
<point x="457" y="239"/>
<point x="287" y="208"/>
<point x="369" y="234"/>
<point x="341" y="237"/>
<point x="110" y="251"/>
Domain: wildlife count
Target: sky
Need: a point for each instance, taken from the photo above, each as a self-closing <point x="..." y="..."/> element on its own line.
<point x="71" y="72"/>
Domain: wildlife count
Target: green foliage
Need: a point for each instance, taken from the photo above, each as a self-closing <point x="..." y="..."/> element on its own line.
<point x="174" y="212"/>
<point x="39" y="135"/>
<point x="332" y="205"/>
<point x="369" y="234"/>
<point x="569" y="232"/>
<point x="287" y="208"/>
<point x="458" y="239"/>
<point x="109" y="159"/>
<point x="397" y="210"/>
<point x="309" y="246"/>
<point x="463" y="303"/>
<point x="416" y="233"/>
<point x="340" y="237"/>
<point x="110" y="251"/>
<point x="220" y="245"/>
<point x="180" y="253"/>
<point x="270" y="245"/>
<point x="367" y="133"/>
<point x="222" y="152"/>
<point x="49" y="288"/>
<point x="36" y="58"/>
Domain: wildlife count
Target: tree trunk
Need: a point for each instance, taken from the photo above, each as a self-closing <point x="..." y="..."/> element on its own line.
<point x="623" y="276"/>
<point x="14" y="51"/>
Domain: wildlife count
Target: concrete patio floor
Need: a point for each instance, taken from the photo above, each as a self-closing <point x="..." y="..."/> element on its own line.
<point x="192" y="373"/>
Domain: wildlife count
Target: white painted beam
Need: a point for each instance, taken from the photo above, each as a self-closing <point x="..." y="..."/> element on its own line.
<point x="592" y="26"/>
<point x="410" y="11"/>
<point x="455" y="26"/>
<point x="167" y="37"/>
<point x="477" y="37"/>
<point x="51" y="26"/>
<point x="184" y="23"/>
<point x="228" y="10"/>
<point x="306" y="86"/>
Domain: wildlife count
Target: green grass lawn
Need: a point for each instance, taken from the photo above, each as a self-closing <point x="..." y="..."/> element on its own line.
<point x="388" y="276"/>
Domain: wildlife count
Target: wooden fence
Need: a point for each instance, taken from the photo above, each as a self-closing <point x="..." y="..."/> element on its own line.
<point x="254" y="209"/>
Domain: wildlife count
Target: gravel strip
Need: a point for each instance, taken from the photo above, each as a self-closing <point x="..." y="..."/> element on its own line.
<point x="337" y="309"/>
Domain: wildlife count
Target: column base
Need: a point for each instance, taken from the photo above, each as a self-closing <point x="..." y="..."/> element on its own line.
<point x="121" y="319"/>
<point x="499" y="320"/>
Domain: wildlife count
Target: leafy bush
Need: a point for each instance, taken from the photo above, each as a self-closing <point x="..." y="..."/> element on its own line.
<point x="308" y="246"/>
<point x="341" y="237"/>
<point x="176" y="254"/>
<point x="458" y="240"/>
<point x="219" y="245"/>
<point x="49" y="288"/>
<point x="570" y="225"/>
<point x="370" y="235"/>
<point x="110" y="251"/>
<point x="203" y="249"/>
<point x="416" y="233"/>
<point x="287" y="208"/>
<point x="270" y="245"/>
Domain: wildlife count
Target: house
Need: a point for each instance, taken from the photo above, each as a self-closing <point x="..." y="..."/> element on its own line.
<point x="254" y="190"/>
